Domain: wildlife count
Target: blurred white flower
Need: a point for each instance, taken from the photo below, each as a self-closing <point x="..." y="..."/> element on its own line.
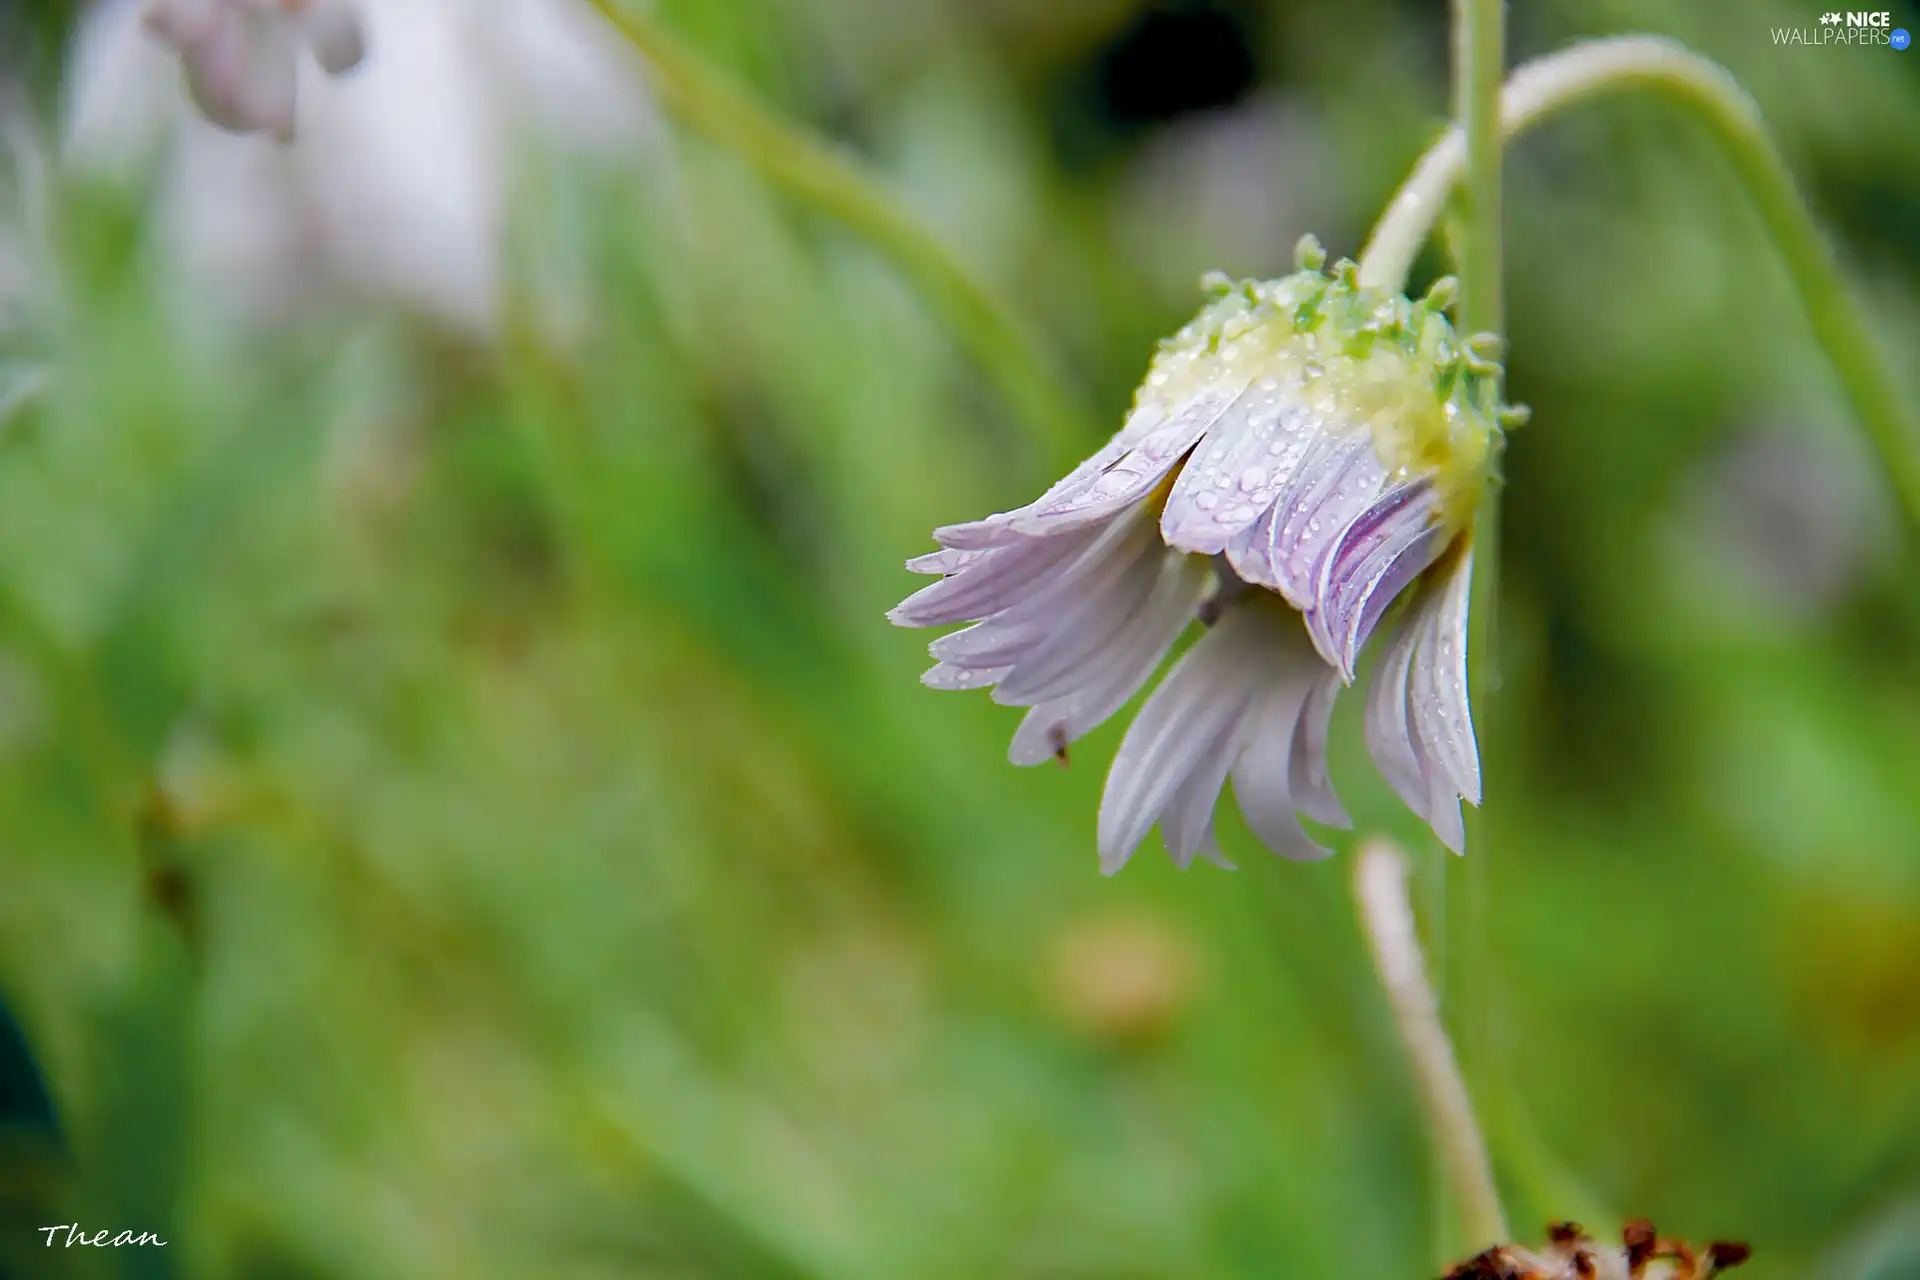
<point x="241" y="57"/>
<point x="398" y="186"/>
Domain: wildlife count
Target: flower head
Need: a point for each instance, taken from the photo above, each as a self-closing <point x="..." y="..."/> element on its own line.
<point x="242" y="57"/>
<point x="1303" y="454"/>
<point x="1571" y="1255"/>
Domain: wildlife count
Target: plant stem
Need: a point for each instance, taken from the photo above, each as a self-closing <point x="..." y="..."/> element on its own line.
<point x="1479" y="52"/>
<point x="1386" y="915"/>
<point x="1551" y="84"/>
<point x="830" y="179"/>
<point x="1479" y="66"/>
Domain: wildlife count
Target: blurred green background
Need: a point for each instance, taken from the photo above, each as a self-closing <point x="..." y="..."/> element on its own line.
<point x="464" y="813"/>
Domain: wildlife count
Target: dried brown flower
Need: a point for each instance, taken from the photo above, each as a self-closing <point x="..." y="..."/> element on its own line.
<point x="1570" y="1254"/>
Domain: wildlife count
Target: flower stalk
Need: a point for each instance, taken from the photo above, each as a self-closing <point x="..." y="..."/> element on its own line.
<point x="1551" y="84"/>
<point x="1479" y="53"/>
<point x="826" y="177"/>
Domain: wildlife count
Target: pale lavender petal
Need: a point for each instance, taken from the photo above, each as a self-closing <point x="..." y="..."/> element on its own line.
<point x="1442" y="719"/>
<point x="1419" y="725"/>
<point x="1307" y="778"/>
<point x="1250" y="552"/>
<point x="1331" y="488"/>
<point x="1018" y="589"/>
<point x="1405" y="564"/>
<point x="1081" y="627"/>
<point x="1127" y="479"/>
<point x="1126" y="470"/>
<point x="993" y="582"/>
<point x="986" y="644"/>
<point x="946" y="676"/>
<point x="1382" y="550"/>
<point x="1187" y="824"/>
<point x="1388" y="739"/>
<point x="1115" y="675"/>
<point x="1446" y="820"/>
<point x="1261" y="783"/>
<point x="945" y="560"/>
<point x="1239" y="468"/>
<point x="1205" y="694"/>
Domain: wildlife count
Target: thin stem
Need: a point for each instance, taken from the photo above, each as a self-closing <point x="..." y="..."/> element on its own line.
<point x="1551" y="84"/>
<point x="830" y="179"/>
<point x="1479" y="53"/>
<point x="1386" y="915"/>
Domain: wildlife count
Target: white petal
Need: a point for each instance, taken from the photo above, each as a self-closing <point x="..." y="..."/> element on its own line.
<point x="948" y="677"/>
<point x="1307" y="776"/>
<point x="1116" y="674"/>
<point x="1187" y="824"/>
<point x="986" y="645"/>
<point x="1443" y="719"/>
<point x="1207" y="692"/>
<point x="993" y="582"/>
<point x="1031" y="581"/>
<point x="1260" y="777"/>
<point x="1331" y="487"/>
<point x="1083" y="624"/>
<point x="1446" y="821"/>
<point x="1125" y="470"/>
<point x="1388" y="739"/>
<point x="1250" y="552"/>
<point x="1239" y="468"/>
<point x="1128" y="478"/>
<point x="1381" y="550"/>
<point x="946" y="560"/>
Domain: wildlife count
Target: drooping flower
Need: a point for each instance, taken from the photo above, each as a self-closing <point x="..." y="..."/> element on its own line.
<point x="1571" y="1255"/>
<point x="242" y="57"/>
<point x="1302" y="455"/>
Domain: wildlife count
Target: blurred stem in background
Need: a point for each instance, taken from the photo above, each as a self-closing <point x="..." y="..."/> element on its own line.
<point x="1551" y="84"/>
<point x="828" y="178"/>
<point x="1386" y="916"/>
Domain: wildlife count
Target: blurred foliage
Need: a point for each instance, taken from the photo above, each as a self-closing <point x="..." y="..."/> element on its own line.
<point x="462" y="811"/>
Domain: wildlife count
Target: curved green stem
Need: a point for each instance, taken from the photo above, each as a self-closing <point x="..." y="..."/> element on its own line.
<point x="828" y="178"/>
<point x="1551" y="84"/>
